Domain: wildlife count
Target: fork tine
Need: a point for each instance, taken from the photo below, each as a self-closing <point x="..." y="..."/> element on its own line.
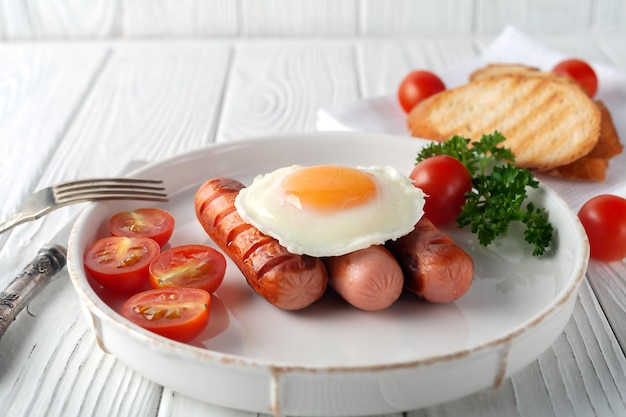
<point x="110" y="194"/>
<point x="109" y="189"/>
<point x="105" y="187"/>
<point x="47" y="199"/>
<point x="96" y="182"/>
<point x="113" y="195"/>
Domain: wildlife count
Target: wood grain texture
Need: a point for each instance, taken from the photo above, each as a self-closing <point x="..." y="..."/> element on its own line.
<point x="147" y="102"/>
<point x="151" y="100"/>
<point x="50" y="358"/>
<point x="175" y="18"/>
<point x="535" y="16"/>
<point x="174" y="404"/>
<point x="75" y="19"/>
<point x="384" y="64"/>
<point x="416" y="17"/>
<point x="296" y="18"/>
<point x="609" y="283"/>
<point x="33" y="119"/>
<point x="279" y="87"/>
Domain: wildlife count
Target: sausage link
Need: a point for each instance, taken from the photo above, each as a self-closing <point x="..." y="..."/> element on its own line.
<point x="369" y="279"/>
<point x="288" y="281"/>
<point x="434" y="267"/>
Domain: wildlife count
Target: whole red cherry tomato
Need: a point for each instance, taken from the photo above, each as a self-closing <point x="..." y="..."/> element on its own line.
<point x="176" y="313"/>
<point x="446" y="181"/>
<point x="190" y="266"/>
<point x="604" y="220"/>
<point x="151" y="222"/>
<point x="121" y="263"/>
<point x="417" y="86"/>
<point x="581" y="72"/>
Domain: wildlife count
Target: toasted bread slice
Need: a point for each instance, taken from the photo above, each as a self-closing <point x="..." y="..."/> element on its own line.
<point x="609" y="144"/>
<point x="547" y="121"/>
<point x="495" y="69"/>
<point x="593" y="166"/>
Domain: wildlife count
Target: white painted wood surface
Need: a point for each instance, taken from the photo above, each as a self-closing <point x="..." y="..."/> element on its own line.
<point x="89" y="108"/>
<point x="98" y="19"/>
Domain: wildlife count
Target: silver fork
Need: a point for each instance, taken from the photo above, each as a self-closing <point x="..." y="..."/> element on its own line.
<point x="44" y="201"/>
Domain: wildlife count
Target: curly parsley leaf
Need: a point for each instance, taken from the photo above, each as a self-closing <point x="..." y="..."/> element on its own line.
<point x="499" y="195"/>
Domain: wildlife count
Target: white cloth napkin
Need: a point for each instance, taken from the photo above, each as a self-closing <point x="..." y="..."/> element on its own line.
<point x="383" y="114"/>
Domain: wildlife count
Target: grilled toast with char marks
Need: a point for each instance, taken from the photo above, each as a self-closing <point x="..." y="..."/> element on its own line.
<point x="547" y="121"/>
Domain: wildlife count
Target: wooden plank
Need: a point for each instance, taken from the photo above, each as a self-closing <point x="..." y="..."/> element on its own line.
<point x="411" y="17"/>
<point x="33" y="119"/>
<point x="152" y="100"/>
<point x="609" y="283"/>
<point x="63" y="372"/>
<point x="302" y="17"/>
<point x="148" y="101"/>
<point x="384" y="64"/>
<point x="278" y="87"/>
<point x="172" y="18"/>
<point x="534" y="16"/>
<point x="175" y="404"/>
<point x="41" y="19"/>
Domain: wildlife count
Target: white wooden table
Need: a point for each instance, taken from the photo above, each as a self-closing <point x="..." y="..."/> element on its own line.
<point x="83" y="109"/>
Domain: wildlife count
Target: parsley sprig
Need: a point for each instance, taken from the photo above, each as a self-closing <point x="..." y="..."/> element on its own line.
<point x="499" y="195"/>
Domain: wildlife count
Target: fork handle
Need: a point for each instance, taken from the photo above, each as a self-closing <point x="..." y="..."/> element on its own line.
<point x="49" y="260"/>
<point x="13" y="221"/>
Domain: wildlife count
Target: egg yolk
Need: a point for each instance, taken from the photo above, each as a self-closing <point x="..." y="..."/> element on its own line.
<point x="328" y="188"/>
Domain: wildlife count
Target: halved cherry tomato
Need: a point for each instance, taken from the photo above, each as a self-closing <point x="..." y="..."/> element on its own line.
<point x="176" y="313"/>
<point x="417" y="86"/>
<point x="152" y="222"/>
<point x="581" y="72"/>
<point x="445" y="180"/>
<point x="190" y="266"/>
<point x="121" y="263"/>
<point x="604" y="220"/>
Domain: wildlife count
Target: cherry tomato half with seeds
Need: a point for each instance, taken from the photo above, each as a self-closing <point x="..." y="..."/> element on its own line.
<point x="189" y="266"/>
<point x="445" y="180"/>
<point x="152" y="222"/>
<point x="176" y="313"/>
<point x="604" y="220"/>
<point x="121" y="263"/>
<point x="418" y="86"/>
<point x="581" y="72"/>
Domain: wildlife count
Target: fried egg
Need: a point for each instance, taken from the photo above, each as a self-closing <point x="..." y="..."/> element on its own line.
<point x="330" y="210"/>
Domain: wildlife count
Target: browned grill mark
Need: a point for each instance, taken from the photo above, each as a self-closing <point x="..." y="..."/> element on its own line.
<point x="273" y="263"/>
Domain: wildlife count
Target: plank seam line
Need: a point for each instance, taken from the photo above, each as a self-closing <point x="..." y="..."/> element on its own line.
<point x="219" y="115"/>
<point x="90" y="87"/>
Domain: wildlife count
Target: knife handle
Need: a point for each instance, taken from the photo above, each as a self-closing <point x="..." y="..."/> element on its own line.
<point x="49" y="260"/>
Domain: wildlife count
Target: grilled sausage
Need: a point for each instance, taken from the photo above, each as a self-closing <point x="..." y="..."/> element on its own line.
<point x="434" y="267"/>
<point x="370" y="279"/>
<point x="288" y="281"/>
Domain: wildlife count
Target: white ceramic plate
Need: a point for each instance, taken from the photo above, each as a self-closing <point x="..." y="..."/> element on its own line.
<point x="331" y="359"/>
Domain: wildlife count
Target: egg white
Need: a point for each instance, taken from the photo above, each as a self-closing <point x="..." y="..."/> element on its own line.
<point x="391" y="214"/>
